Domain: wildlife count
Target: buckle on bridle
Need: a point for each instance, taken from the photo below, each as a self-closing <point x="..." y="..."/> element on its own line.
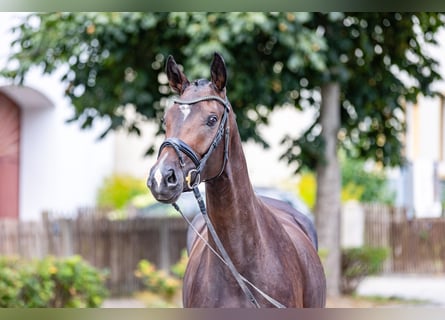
<point x="193" y="183"/>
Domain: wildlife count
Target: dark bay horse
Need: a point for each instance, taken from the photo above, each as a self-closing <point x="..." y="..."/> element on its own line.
<point x="268" y="242"/>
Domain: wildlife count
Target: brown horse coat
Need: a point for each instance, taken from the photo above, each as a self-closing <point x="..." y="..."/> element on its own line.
<point x="270" y="244"/>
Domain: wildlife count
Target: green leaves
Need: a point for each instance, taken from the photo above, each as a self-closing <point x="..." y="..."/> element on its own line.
<point x="118" y="190"/>
<point x="116" y="60"/>
<point x="157" y="281"/>
<point x="50" y="282"/>
<point x="357" y="263"/>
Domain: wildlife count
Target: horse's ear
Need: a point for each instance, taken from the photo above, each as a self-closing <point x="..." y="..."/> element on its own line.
<point x="218" y="72"/>
<point x="176" y="78"/>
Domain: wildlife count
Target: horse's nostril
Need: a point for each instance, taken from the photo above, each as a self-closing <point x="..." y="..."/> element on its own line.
<point x="171" y="178"/>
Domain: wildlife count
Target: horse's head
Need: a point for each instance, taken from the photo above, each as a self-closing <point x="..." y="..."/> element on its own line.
<point x="194" y="125"/>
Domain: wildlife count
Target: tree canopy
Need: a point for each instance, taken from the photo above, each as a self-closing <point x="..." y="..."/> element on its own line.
<point x="112" y="60"/>
<point x="116" y="59"/>
<point x="380" y="61"/>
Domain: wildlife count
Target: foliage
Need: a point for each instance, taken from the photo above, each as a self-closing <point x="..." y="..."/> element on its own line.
<point x="10" y="284"/>
<point x="77" y="283"/>
<point x="358" y="263"/>
<point x="351" y="192"/>
<point x="118" y="190"/>
<point x="178" y="269"/>
<point x="365" y="185"/>
<point x="358" y="183"/>
<point x="117" y="59"/>
<point x="307" y="188"/>
<point x="380" y="62"/>
<point x="50" y="282"/>
<point x="157" y="281"/>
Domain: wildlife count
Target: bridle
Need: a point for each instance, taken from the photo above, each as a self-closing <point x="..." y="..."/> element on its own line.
<point x="180" y="148"/>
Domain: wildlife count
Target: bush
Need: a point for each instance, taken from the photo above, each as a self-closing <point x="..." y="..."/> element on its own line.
<point x="358" y="263"/>
<point x="118" y="190"/>
<point x="157" y="281"/>
<point x="178" y="269"/>
<point x="50" y="282"/>
<point x="10" y="283"/>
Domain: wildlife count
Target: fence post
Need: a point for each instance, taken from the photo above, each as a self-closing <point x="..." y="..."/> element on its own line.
<point x="66" y="233"/>
<point x="47" y="230"/>
<point x="164" y="244"/>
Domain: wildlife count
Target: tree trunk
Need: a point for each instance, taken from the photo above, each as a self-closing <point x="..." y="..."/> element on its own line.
<point x="328" y="205"/>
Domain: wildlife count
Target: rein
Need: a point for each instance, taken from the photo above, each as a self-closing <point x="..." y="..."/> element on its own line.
<point x="227" y="261"/>
<point x="193" y="182"/>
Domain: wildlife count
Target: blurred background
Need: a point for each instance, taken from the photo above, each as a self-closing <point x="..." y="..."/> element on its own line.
<point x="342" y="115"/>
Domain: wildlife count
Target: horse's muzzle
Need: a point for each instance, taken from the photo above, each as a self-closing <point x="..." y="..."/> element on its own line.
<point x="165" y="183"/>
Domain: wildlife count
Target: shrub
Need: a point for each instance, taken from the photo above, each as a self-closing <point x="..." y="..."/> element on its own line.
<point x="358" y="263"/>
<point x="10" y="284"/>
<point x="50" y="282"/>
<point x="118" y="190"/>
<point x="157" y="281"/>
<point x="77" y="284"/>
<point x="178" y="269"/>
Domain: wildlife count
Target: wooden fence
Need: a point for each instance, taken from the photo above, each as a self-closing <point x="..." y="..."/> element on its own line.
<point x="115" y="245"/>
<point x="416" y="246"/>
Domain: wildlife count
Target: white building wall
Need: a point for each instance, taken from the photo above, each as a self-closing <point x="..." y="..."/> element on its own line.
<point x="130" y="152"/>
<point x="61" y="166"/>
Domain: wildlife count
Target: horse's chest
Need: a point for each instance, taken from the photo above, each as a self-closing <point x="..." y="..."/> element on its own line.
<point x="212" y="285"/>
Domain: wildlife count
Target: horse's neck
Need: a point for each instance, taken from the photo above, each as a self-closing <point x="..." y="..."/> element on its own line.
<point x="232" y="205"/>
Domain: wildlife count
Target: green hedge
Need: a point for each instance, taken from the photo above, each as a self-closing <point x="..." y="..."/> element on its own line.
<point x="50" y="282"/>
<point x="358" y="263"/>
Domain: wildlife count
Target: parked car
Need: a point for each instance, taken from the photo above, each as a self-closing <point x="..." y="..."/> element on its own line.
<point x="190" y="208"/>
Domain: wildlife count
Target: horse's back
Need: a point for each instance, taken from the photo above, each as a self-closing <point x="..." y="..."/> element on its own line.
<point x="286" y="213"/>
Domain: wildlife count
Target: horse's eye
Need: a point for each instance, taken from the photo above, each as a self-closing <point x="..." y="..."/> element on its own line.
<point x="212" y="120"/>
